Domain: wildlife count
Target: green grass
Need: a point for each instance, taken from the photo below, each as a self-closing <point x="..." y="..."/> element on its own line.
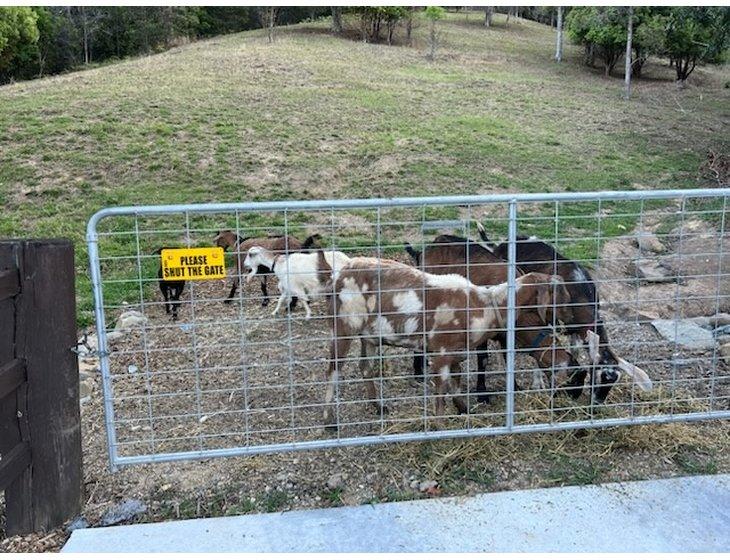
<point x="314" y="116"/>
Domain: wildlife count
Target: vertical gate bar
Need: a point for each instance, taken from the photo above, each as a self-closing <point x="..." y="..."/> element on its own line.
<point x="511" y="280"/>
<point x="289" y="334"/>
<point x="424" y="341"/>
<point x="335" y="356"/>
<point x="242" y="327"/>
<point x="148" y="379"/>
<point x="92" y="243"/>
<point x="465" y="375"/>
<point x="369" y="363"/>
<point x="636" y="268"/>
<point x="193" y="330"/>
<point x="720" y="274"/>
<point x="677" y="314"/>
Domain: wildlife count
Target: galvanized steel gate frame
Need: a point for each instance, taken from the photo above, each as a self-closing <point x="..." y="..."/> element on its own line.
<point x="513" y="202"/>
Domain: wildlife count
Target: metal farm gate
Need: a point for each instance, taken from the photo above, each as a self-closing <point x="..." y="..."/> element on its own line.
<point x="216" y="374"/>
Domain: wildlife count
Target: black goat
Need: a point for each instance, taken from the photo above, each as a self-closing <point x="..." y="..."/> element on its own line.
<point x="585" y="325"/>
<point x="171" y="290"/>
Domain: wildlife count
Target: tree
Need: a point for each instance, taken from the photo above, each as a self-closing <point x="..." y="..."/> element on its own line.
<point x="336" y="19"/>
<point x="267" y="17"/>
<point x="629" y="38"/>
<point x="372" y="19"/>
<point x="18" y="34"/>
<point x="433" y="14"/>
<point x="488" y="11"/>
<point x="695" y="35"/>
<point x="601" y="30"/>
<point x="559" y="45"/>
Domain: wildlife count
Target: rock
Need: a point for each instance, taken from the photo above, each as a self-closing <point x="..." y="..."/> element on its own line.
<point x="651" y="271"/>
<point x="724" y="351"/>
<point x="715" y="322"/>
<point x="427" y="485"/>
<point x="648" y="241"/>
<point x="132" y="369"/>
<point x="130" y="319"/>
<point x="335" y="481"/>
<point x="114" y="336"/>
<point x="685" y="333"/>
<point x="87" y="369"/>
<point x="78" y="523"/>
<point x="86" y="386"/>
<point x="121" y="512"/>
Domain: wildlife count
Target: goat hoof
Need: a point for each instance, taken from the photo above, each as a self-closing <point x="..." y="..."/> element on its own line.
<point x="330" y="428"/>
<point x="265" y="303"/>
<point x="228" y="301"/>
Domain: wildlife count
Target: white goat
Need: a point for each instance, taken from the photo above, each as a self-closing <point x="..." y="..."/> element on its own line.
<point x="297" y="273"/>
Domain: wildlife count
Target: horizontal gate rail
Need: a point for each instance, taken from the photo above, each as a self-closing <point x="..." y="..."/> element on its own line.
<point x="227" y="380"/>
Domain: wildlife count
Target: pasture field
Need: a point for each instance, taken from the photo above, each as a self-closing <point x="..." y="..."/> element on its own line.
<point x="314" y="116"/>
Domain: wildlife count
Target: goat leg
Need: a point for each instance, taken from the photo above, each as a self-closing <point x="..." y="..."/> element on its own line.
<point x="419" y="366"/>
<point x="456" y="390"/>
<point x="265" y="290"/>
<point x="234" y="286"/>
<point x="482" y="361"/>
<point x="338" y="351"/>
<point x="367" y="370"/>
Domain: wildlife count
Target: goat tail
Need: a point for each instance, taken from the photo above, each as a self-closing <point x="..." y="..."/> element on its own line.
<point x="415" y="255"/>
<point x="311" y="242"/>
<point x="483" y="235"/>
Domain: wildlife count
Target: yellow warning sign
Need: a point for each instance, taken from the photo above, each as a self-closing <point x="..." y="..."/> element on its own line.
<point x="199" y="263"/>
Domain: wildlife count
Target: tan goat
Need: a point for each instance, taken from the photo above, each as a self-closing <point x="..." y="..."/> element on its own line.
<point x="388" y="302"/>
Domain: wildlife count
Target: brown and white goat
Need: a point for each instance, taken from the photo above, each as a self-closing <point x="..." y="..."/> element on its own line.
<point x="584" y="323"/>
<point x="450" y="254"/>
<point x="278" y="244"/>
<point x="387" y="302"/>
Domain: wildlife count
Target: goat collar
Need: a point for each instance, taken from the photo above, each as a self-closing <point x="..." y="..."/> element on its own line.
<point x="542" y="335"/>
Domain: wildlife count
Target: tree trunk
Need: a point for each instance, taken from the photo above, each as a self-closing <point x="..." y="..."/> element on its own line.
<point x="432" y="40"/>
<point x="409" y="26"/>
<point x="627" y="65"/>
<point x="85" y="30"/>
<point x="488" y="11"/>
<point x="559" y="46"/>
<point x="272" y="20"/>
<point x="336" y="19"/>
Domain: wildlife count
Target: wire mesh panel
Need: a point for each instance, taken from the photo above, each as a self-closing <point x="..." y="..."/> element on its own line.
<point x="353" y="322"/>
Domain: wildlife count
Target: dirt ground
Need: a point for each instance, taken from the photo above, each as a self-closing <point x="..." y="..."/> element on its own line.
<point x="229" y="382"/>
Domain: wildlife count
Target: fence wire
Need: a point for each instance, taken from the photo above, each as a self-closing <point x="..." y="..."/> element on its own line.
<point x="595" y="309"/>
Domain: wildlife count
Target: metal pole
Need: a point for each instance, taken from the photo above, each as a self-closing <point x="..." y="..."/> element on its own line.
<point x="511" y="281"/>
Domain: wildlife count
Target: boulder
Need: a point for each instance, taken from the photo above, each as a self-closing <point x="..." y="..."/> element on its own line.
<point x="648" y="242"/>
<point x="130" y="319"/>
<point x="651" y="271"/>
<point x="121" y="512"/>
<point x="685" y="333"/>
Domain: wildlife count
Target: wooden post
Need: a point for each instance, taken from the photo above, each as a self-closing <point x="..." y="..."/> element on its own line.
<point x="50" y="491"/>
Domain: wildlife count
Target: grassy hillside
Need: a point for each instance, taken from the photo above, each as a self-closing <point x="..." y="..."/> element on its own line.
<point x="315" y="116"/>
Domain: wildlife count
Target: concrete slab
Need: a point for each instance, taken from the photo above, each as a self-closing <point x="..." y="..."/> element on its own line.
<point x="689" y="514"/>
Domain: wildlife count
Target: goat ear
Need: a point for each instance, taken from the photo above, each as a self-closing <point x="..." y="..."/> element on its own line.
<point x="543" y="300"/>
<point x="636" y="373"/>
<point x="594" y="343"/>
